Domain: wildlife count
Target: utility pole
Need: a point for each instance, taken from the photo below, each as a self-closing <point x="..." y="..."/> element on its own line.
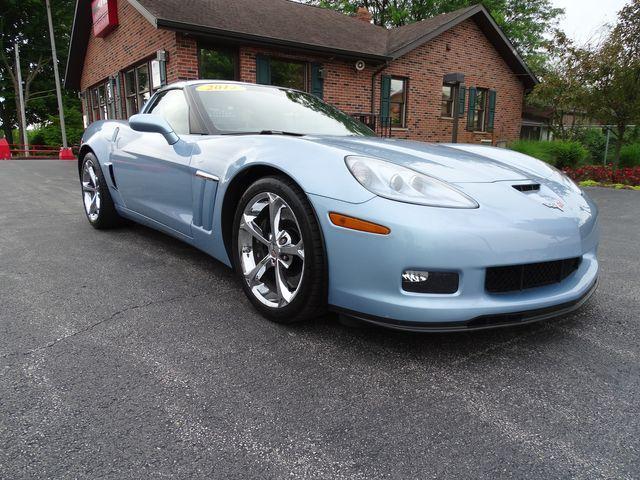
<point x="57" y="75"/>
<point x="606" y="147"/>
<point x="23" y="115"/>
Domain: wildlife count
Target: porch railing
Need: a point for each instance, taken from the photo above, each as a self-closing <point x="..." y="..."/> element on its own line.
<point x="380" y="125"/>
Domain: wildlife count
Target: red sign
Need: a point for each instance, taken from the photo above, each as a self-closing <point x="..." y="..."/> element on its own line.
<point x="105" y="16"/>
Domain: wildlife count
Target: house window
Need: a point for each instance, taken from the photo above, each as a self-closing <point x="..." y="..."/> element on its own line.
<point x="102" y="98"/>
<point x="95" y="105"/>
<point x="137" y="88"/>
<point x="398" y="102"/>
<point x="448" y="96"/>
<point x="217" y="63"/>
<point x="480" y="113"/>
<point x="99" y="102"/>
<point x="289" y="74"/>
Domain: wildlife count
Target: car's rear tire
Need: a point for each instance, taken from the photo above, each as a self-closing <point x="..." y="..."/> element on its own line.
<point x="96" y="198"/>
<point x="278" y="251"/>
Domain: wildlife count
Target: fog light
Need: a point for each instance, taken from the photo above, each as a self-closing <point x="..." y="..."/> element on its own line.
<point x="422" y="281"/>
<point x="415" y="276"/>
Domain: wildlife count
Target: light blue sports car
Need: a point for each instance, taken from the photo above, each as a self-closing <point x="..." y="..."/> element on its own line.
<point x="314" y="212"/>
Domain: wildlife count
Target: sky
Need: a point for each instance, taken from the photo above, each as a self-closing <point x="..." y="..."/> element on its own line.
<point x="584" y="18"/>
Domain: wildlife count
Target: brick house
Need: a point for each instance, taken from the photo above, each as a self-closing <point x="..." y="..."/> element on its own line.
<point x="413" y="79"/>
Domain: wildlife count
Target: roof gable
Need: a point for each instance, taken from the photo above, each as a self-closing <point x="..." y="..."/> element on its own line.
<point x="409" y="37"/>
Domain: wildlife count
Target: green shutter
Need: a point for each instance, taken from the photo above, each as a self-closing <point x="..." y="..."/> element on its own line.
<point x="492" y="110"/>
<point x="472" y="108"/>
<point x="317" y="82"/>
<point x="385" y="100"/>
<point x="462" y="100"/>
<point x="263" y="70"/>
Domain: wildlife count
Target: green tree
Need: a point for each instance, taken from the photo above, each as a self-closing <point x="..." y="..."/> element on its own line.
<point x="611" y="73"/>
<point x="25" y="22"/>
<point x="561" y="91"/>
<point x="525" y="22"/>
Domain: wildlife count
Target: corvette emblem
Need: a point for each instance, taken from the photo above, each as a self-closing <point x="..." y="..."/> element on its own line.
<point x="554" y="204"/>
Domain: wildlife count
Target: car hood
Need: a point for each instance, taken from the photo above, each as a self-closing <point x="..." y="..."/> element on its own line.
<point x="451" y="163"/>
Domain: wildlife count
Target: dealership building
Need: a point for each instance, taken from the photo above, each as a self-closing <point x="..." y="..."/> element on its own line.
<point x="421" y="81"/>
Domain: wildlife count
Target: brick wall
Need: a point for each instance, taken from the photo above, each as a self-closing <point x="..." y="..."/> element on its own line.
<point x="134" y="40"/>
<point x="467" y="50"/>
<point x="344" y="87"/>
<point x="462" y="49"/>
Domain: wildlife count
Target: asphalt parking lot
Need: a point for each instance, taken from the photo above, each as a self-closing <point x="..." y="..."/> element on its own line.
<point x="127" y="354"/>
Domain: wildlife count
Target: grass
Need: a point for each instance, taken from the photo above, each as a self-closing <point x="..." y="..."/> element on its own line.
<point x="617" y="186"/>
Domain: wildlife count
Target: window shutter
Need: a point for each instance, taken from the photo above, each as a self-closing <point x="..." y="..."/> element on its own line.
<point x="317" y="82"/>
<point x="385" y="100"/>
<point x="492" y="110"/>
<point x="263" y="70"/>
<point x="472" y="108"/>
<point x="462" y="100"/>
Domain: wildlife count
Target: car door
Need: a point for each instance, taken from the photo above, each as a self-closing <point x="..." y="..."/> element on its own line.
<point x="154" y="178"/>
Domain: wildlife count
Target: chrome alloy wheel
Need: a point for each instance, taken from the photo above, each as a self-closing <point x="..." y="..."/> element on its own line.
<point x="91" y="190"/>
<point x="271" y="250"/>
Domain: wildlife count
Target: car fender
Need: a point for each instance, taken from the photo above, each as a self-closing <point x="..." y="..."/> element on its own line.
<point x="99" y="138"/>
<point x="316" y="169"/>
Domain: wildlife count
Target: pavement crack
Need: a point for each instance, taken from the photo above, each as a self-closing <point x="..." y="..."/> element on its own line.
<point x="89" y="328"/>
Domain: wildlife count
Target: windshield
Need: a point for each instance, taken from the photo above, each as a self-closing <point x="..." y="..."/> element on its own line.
<point x="234" y="108"/>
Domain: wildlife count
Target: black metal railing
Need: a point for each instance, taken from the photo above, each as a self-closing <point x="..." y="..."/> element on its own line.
<point x="380" y="125"/>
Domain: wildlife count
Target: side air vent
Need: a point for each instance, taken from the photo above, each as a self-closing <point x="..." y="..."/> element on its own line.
<point x="529" y="187"/>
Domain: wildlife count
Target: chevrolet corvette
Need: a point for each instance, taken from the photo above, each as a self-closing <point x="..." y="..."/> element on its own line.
<point x="314" y="212"/>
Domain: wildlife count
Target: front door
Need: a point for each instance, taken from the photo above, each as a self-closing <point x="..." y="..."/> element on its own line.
<point x="155" y="178"/>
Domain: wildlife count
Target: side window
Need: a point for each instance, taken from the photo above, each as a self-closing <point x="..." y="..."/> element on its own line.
<point x="173" y="107"/>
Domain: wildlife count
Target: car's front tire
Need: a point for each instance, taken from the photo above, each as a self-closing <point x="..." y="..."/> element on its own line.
<point x="96" y="198"/>
<point x="278" y="251"/>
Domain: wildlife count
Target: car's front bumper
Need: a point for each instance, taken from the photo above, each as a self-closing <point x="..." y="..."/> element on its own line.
<point x="365" y="270"/>
<point x="479" y="323"/>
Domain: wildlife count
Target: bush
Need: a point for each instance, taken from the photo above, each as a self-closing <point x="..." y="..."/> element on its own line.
<point x="630" y="155"/>
<point x="594" y="140"/>
<point x="560" y="154"/>
<point x="568" y="154"/>
<point x="607" y="175"/>
<point x="536" y="149"/>
<point x="36" y="137"/>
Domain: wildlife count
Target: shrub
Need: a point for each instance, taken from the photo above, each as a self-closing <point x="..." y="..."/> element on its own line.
<point x="630" y="155"/>
<point x="568" y="154"/>
<point x="36" y="137"/>
<point x="589" y="183"/>
<point x="560" y="154"/>
<point x="605" y="174"/>
<point x="594" y="140"/>
<point x="533" y="148"/>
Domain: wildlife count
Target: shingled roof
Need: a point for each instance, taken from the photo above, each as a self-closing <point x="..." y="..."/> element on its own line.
<point x="294" y="25"/>
<point x="275" y="20"/>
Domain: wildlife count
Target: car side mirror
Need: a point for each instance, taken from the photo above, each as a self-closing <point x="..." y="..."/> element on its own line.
<point x="150" y="123"/>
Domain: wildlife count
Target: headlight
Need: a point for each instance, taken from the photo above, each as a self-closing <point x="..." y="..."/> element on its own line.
<point x="402" y="184"/>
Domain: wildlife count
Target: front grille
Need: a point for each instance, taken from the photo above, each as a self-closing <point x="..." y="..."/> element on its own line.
<point x="522" y="277"/>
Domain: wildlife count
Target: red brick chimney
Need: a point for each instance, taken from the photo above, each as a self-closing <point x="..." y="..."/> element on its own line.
<point x="364" y="14"/>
